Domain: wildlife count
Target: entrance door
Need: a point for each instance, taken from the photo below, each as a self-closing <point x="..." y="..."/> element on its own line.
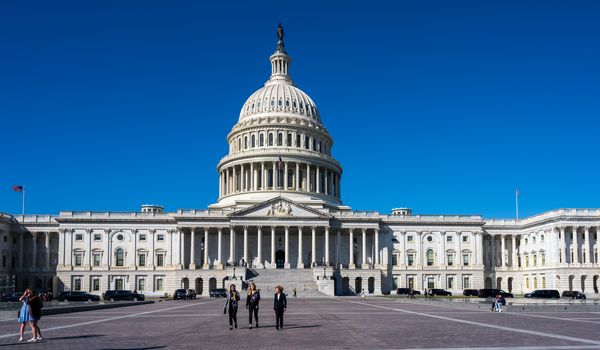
<point x="280" y="259"/>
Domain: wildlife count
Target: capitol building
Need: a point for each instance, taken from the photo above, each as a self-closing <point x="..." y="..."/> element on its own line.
<point x="280" y="218"/>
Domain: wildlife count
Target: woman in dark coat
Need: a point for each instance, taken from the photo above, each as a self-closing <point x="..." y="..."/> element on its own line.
<point x="252" y="303"/>
<point x="231" y="305"/>
<point x="279" y="305"/>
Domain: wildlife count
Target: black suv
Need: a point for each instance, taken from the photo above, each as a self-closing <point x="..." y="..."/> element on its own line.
<point x="406" y="291"/>
<point x="77" y="296"/>
<point x="114" y="295"/>
<point x="573" y="294"/>
<point x="440" y="292"/>
<point x="471" y="292"/>
<point x="181" y="294"/>
<point x="543" y="294"/>
<point x="218" y="293"/>
<point x="491" y="293"/>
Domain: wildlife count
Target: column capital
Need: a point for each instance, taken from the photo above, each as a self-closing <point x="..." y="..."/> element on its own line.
<point x="206" y="229"/>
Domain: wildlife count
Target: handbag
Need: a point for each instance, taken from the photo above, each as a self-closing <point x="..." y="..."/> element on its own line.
<point x="18" y="313"/>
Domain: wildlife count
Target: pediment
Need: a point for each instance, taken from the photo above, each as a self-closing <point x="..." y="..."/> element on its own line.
<point x="279" y="207"/>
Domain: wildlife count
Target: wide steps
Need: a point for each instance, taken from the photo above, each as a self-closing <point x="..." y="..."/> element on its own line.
<point x="267" y="279"/>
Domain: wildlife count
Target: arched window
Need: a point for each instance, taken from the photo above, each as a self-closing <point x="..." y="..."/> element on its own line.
<point x="320" y="150"/>
<point x="306" y="142"/>
<point x="245" y="142"/>
<point x="119" y="257"/>
<point x="298" y="140"/>
<point x="270" y="139"/>
<point x="253" y="141"/>
<point x="279" y="139"/>
<point x="430" y="257"/>
<point x="289" y="139"/>
<point x="290" y="182"/>
<point x="314" y="145"/>
<point x="261" y="140"/>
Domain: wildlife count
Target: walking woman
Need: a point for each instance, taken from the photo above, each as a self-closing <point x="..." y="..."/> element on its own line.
<point x="35" y="314"/>
<point x="231" y="305"/>
<point x="24" y="315"/>
<point x="252" y="303"/>
<point x="279" y="305"/>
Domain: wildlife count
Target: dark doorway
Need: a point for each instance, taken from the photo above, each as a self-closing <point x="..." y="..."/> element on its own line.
<point x="280" y="259"/>
<point x="199" y="285"/>
<point x="357" y="285"/>
<point x="345" y="286"/>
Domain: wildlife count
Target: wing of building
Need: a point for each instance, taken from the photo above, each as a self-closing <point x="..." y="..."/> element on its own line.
<point x="279" y="219"/>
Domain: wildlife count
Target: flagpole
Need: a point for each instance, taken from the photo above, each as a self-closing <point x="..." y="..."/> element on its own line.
<point x="23" y="201"/>
<point x="517" y="203"/>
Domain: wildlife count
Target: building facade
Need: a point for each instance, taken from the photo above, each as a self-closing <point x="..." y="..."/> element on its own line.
<point x="280" y="208"/>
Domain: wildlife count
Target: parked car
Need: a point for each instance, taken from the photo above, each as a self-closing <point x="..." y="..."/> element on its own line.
<point x="218" y="293"/>
<point x="406" y="291"/>
<point x="491" y="293"/>
<point x="114" y="295"/>
<point x="573" y="294"/>
<point x="77" y="296"/>
<point x="181" y="294"/>
<point x="11" y="296"/>
<point x="543" y="294"/>
<point x="440" y="292"/>
<point x="471" y="292"/>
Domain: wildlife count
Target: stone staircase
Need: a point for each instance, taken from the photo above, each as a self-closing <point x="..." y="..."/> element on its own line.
<point x="267" y="279"/>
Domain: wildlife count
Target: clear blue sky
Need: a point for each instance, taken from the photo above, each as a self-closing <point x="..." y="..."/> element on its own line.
<point x="442" y="106"/>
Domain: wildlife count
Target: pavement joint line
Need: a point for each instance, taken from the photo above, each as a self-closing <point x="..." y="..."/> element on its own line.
<point x="512" y="313"/>
<point x="113" y="318"/>
<point x="554" y="347"/>
<point x="485" y="325"/>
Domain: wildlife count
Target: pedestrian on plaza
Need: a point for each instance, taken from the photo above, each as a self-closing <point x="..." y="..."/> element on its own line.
<point x="362" y="295"/>
<point x="231" y="305"/>
<point x="497" y="304"/>
<point x="23" y="315"/>
<point x="295" y="294"/>
<point x="252" y="303"/>
<point x="35" y="314"/>
<point x="279" y="306"/>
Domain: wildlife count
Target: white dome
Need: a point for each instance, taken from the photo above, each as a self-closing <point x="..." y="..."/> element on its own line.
<point x="280" y="96"/>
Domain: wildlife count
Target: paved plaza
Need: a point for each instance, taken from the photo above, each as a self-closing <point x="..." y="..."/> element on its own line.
<point x="333" y="323"/>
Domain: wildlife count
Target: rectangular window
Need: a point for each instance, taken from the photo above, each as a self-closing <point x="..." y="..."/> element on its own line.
<point x="465" y="239"/>
<point x="430" y="282"/>
<point x="395" y="283"/>
<point x="159" y="284"/>
<point x="465" y="259"/>
<point x="543" y="259"/>
<point x="79" y="237"/>
<point x="96" y="259"/>
<point x="3" y="260"/>
<point x="448" y="238"/>
<point x="534" y="282"/>
<point x="78" y="259"/>
<point x="77" y="284"/>
<point x="450" y="259"/>
<point x="141" y="284"/>
<point x="466" y="282"/>
<point x="411" y="282"/>
<point x="527" y="282"/>
<point x="142" y="237"/>
<point x="97" y="237"/>
<point x="535" y="260"/>
<point x="527" y="261"/>
<point x="142" y="260"/>
<point x="160" y="259"/>
<point x="119" y="284"/>
<point x="409" y="238"/>
<point x="95" y="284"/>
<point x="543" y="282"/>
<point x="394" y="259"/>
<point x="450" y="284"/>
<point x="160" y="237"/>
<point x="411" y="259"/>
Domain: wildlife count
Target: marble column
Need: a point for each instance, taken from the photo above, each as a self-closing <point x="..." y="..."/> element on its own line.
<point x="493" y="253"/>
<point x="377" y="247"/>
<point x="273" y="265"/>
<point x="575" y="246"/>
<point x="219" y="248"/>
<point x="503" y="248"/>
<point x="313" y="257"/>
<point x="300" y="259"/>
<point x="246" y="245"/>
<point x="351" y="264"/>
<point x="587" y="246"/>
<point x="318" y="181"/>
<point x="231" y="245"/>
<point x="297" y="182"/>
<point x="61" y="248"/>
<point x="206" y="262"/>
<point x="308" y="178"/>
<point x="259" y="248"/>
<point x="285" y="176"/>
<point x="513" y="262"/>
<point x="34" y="250"/>
<point x="563" y="248"/>
<point x="287" y="247"/>
<point x="338" y="245"/>
<point x="192" y="249"/>
<point x="48" y="255"/>
<point x="327" y="262"/>
<point x="364" y="250"/>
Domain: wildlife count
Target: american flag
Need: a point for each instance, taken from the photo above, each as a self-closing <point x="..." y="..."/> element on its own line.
<point x="280" y="163"/>
<point x="18" y="188"/>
